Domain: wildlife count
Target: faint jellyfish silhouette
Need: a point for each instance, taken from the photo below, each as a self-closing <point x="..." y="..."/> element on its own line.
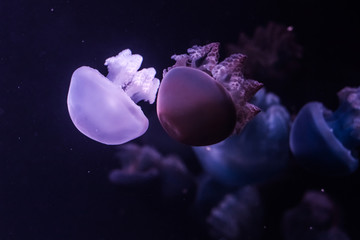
<point x="208" y="195"/>
<point x="143" y="166"/>
<point x="104" y="108"/>
<point x="200" y="101"/>
<point x="327" y="142"/>
<point x="259" y="152"/>
<point x="237" y="216"/>
<point x="273" y="52"/>
<point x="315" y="218"/>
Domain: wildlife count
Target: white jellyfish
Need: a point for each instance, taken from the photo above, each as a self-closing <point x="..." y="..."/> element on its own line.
<point x="104" y="108"/>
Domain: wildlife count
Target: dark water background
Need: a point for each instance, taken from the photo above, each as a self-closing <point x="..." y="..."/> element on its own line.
<point x="53" y="180"/>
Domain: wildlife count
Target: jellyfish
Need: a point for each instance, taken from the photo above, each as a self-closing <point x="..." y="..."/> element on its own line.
<point x="209" y="193"/>
<point x="259" y="152"/>
<point x="315" y="218"/>
<point x="144" y="167"/>
<point x="273" y="53"/>
<point x="237" y="216"/>
<point x="327" y="142"/>
<point x="104" y="108"/>
<point x="200" y="101"/>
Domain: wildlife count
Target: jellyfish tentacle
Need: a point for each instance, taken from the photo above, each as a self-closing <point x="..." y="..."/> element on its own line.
<point x="123" y="71"/>
<point x="229" y="74"/>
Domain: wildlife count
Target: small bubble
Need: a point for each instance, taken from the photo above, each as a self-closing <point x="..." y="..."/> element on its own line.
<point x="310" y="227"/>
<point x="89" y="171"/>
<point x="51" y="9"/>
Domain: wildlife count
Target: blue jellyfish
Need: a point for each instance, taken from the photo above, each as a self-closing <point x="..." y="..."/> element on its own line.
<point x="237" y="216"/>
<point x="259" y="152"/>
<point x="144" y="167"/>
<point x="104" y="108"/>
<point x="200" y="101"/>
<point x="209" y="193"/>
<point x="327" y="142"/>
<point x="315" y="218"/>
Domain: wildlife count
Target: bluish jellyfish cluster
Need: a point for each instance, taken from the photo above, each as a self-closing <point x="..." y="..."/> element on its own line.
<point x="259" y="152"/>
<point x="240" y="133"/>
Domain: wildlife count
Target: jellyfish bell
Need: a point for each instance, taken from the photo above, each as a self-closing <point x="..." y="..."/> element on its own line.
<point x="102" y="111"/>
<point x="200" y="101"/>
<point x="327" y="142"/>
<point x="188" y="100"/>
<point x="237" y="216"/>
<point x="104" y="108"/>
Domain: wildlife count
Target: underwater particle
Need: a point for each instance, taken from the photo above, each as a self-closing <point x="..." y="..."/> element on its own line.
<point x="259" y="152"/>
<point x="145" y="167"/>
<point x="200" y="101"/>
<point x="104" y="108"/>
<point x="315" y="218"/>
<point x="327" y="142"/>
<point x="237" y="216"/>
